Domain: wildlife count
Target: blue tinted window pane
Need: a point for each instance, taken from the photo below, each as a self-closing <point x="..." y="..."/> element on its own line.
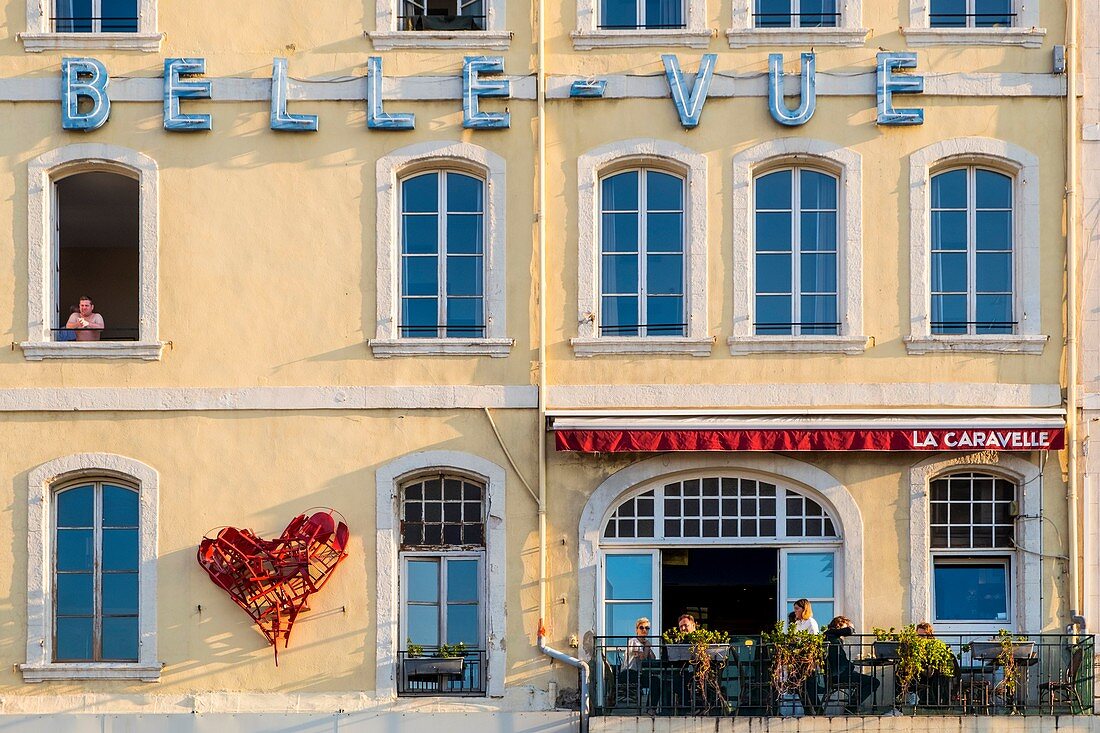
<point x="819" y="309"/>
<point x="810" y="575"/>
<point x="628" y="577"/>
<point x="818" y="190"/>
<point x="773" y="314"/>
<point x="992" y="13"/>
<point x="423" y="625"/>
<point x="462" y="580"/>
<point x="119" y="16"/>
<point x="120" y="593"/>
<point x="423" y="578"/>
<point x="994" y="314"/>
<point x="992" y="190"/>
<point x="620" y="618"/>
<point x="120" y="507"/>
<point x="773" y="13"/>
<point x="465" y="233"/>
<point x="619" y="14"/>
<point x="464" y="276"/>
<point x="948" y="272"/>
<point x="665" y="232"/>
<point x="773" y="191"/>
<point x="665" y="316"/>
<point x="419" y="276"/>
<point x="74" y="549"/>
<point x="463" y="193"/>
<point x="620" y="193"/>
<point x="73" y="16"/>
<point x="120" y="639"/>
<point x="773" y="232"/>
<point x="993" y="230"/>
<point x="462" y="625"/>
<point x="949" y="189"/>
<point x="665" y="274"/>
<point x="74" y="594"/>
<point x="418" y="317"/>
<point x="818" y="14"/>
<point x="818" y="230"/>
<point x="663" y="14"/>
<point x="419" y="234"/>
<point x="773" y="273"/>
<point x="664" y="192"/>
<point x="75" y="507"/>
<point x="818" y="273"/>
<point x="74" y="640"/>
<point x="620" y="274"/>
<point x="120" y="549"/>
<point x="620" y="233"/>
<point x="420" y="193"/>
<point x="971" y="592"/>
<point x="620" y="316"/>
<point x="949" y="230"/>
<point x="949" y="314"/>
<point x="948" y="14"/>
<point x="994" y="272"/>
<point x="464" y="318"/>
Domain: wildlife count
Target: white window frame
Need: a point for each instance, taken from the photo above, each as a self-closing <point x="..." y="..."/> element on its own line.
<point x="391" y="170"/>
<point x="42" y="481"/>
<point x="593" y="166"/>
<point x="443" y="556"/>
<point x="655" y="591"/>
<point x="589" y="35"/>
<point x="386" y="36"/>
<point x="846" y="165"/>
<point x="837" y="599"/>
<point x="1025" y="576"/>
<point x="849" y="30"/>
<point x="40" y="35"/>
<point x="42" y="174"/>
<point x="973" y="557"/>
<point x="1026" y="32"/>
<point x="1023" y="168"/>
<point x="390" y="479"/>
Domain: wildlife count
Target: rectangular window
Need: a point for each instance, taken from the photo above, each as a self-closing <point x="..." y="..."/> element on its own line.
<point x="811" y="575"/>
<point x="971" y="590"/>
<point x="442" y="15"/>
<point x="637" y="14"/>
<point x="796" y="14"/>
<point x="95" y="16"/>
<point x="442" y="597"/>
<point x="971" y="14"/>
<point x="630" y="592"/>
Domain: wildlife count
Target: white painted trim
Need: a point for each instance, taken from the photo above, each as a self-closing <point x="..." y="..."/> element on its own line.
<point x="41" y="174"/>
<point x="40" y="35"/>
<point x="693" y="167"/>
<point x="1027" y="580"/>
<point x="385" y="348"/>
<point x="389" y="169"/>
<point x="808" y="479"/>
<point x="797" y="344"/>
<point x="1025" y="33"/>
<point x="588" y="35"/>
<point x="388" y="480"/>
<point x="849" y="30"/>
<point x="202" y="399"/>
<point x="40" y="482"/>
<point x="1024" y="169"/>
<point x="470" y="40"/>
<point x="847" y="166"/>
<point x="779" y="395"/>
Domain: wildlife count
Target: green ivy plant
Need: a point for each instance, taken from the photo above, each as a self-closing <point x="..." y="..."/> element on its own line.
<point x="450" y="651"/>
<point x="1006" y="658"/>
<point x="705" y="670"/>
<point x="919" y="657"/>
<point x="414" y="650"/>
<point x="699" y="636"/>
<point x="796" y="655"/>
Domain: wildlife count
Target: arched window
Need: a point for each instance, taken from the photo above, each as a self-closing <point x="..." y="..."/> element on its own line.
<point x="796" y="233"/>
<point x="642" y="253"/>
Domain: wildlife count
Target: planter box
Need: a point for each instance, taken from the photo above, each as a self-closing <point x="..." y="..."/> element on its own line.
<point x="434" y="667"/>
<point x="886" y="649"/>
<point x="990" y="650"/>
<point x="682" y="652"/>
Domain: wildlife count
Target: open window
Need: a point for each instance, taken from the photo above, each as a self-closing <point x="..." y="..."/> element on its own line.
<point x="442" y="15"/>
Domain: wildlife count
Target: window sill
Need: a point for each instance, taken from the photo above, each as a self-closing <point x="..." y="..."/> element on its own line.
<point x="90" y="671"/>
<point x="386" y="348"/>
<point x="797" y="344"/>
<point x="993" y="344"/>
<point x="1027" y="37"/>
<point x="38" y="42"/>
<point x="641" y="38"/>
<point x="743" y="37"/>
<point x="494" y="40"/>
<point x="653" y="345"/>
<point x="38" y="350"/>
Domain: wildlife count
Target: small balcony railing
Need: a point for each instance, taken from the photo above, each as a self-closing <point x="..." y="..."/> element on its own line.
<point x="427" y="675"/>
<point x="1049" y="674"/>
<point x="421" y="22"/>
<point x="108" y="333"/>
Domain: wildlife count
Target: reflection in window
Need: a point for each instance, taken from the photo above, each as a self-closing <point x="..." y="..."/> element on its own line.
<point x="95" y="574"/>
<point x="796" y="253"/>
<point x="971" y="14"/>
<point x="796" y="14"/>
<point x="95" y="16"/>
<point x="972" y="269"/>
<point x="635" y="14"/>
<point x="642" y="254"/>
<point x="442" y="256"/>
<point x="628" y="592"/>
<point x="975" y="591"/>
<point x="442" y="15"/>
<point x="811" y="575"/>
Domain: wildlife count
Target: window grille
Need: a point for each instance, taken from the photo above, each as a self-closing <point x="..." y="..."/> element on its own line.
<point x="442" y="510"/>
<point x="972" y="511"/>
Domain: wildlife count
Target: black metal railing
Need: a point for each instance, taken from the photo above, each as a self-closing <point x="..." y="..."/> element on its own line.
<point x="426" y="674"/>
<point x="980" y="327"/>
<point x="971" y="20"/>
<point x="652" y="329"/>
<point x="109" y="333"/>
<point x="806" y="328"/>
<point x="424" y="332"/>
<point x="1048" y="674"/>
<point x="641" y="26"/>
<point x="85" y="23"/>
<point x="420" y="22"/>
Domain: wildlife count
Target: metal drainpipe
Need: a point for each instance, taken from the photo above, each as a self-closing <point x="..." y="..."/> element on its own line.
<point x="581" y="666"/>
<point x="1071" y="306"/>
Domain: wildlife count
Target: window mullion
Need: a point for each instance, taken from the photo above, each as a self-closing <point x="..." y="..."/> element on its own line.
<point x="796" y="13"/>
<point x="97" y="573"/>
<point x="97" y="16"/>
<point x="643" y="250"/>
<point x="441" y="262"/>
<point x="796" y="252"/>
<point x="971" y="252"/>
<point x="442" y="601"/>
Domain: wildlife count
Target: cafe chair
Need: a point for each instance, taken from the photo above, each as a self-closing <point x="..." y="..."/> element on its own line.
<point x="1064" y="689"/>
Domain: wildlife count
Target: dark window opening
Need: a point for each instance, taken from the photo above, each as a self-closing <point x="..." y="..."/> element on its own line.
<point x="726" y="588"/>
<point x="442" y="15"/>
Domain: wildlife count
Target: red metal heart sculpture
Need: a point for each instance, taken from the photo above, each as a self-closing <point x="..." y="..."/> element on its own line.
<point x="272" y="579"/>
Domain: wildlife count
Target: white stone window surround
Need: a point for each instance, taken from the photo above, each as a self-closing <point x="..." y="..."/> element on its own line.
<point x="1024" y="33"/>
<point x="591" y="167"/>
<point x="849" y="30"/>
<point x="388" y="482"/>
<point x="419" y="158"/>
<point x="810" y="480"/>
<point x="846" y="165"/>
<point x="385" y="36"/>
<point x="40" y="35"/>
<point x="42" y="172"/>
<point x="588" y="35"/>
<point x="41" y="481"/>
<point x="1025" y="566"/>
<point x="1023" y="167"/>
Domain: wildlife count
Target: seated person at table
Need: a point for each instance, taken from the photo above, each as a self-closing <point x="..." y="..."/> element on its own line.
<point x="934" y="688"/>
<point x="804" y="617"/>
<point x="639" y="647"/>
<point x="839" y="667"/>
<point x="686" y="623"/>
<point x="925" y="629"/>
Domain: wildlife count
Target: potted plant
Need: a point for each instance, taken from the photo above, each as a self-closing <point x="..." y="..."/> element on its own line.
<point x="679" y="646"/>
<point x="449" y="660"/>
<point x="1006" y="651"/>
<point x="796" y="656"/>
<point x="915" y="656"/>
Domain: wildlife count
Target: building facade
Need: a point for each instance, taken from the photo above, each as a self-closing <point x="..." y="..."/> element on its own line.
<point x="612" y="315"/>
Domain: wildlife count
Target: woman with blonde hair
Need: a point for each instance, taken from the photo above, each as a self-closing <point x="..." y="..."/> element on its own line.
<point x="804" y="617"/>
